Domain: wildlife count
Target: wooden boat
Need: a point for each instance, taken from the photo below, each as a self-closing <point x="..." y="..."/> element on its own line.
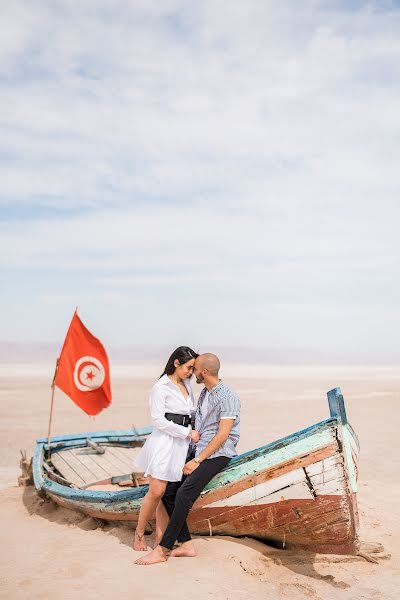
<point x="297" y="492"/>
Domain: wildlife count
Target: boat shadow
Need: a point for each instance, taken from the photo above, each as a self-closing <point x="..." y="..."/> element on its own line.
<point x="299" y="562"/>
<point x="49" y="510"/>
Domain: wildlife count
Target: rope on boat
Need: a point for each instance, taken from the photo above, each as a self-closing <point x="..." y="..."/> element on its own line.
<point x="209" y="526"/>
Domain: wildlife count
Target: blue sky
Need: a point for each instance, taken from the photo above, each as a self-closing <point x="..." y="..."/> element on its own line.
<point x="212" y="174"/>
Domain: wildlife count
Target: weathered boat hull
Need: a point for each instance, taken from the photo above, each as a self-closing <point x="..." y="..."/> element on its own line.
<point x="298" y="492"/>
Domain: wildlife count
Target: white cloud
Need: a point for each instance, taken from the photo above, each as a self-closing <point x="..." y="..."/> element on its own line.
<point x="184" y="100"/>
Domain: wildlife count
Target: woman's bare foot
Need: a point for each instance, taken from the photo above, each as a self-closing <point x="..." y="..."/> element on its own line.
<point x="139" y="544"/>
<point x="157" y="555"/>
<point x="185" y="549"/>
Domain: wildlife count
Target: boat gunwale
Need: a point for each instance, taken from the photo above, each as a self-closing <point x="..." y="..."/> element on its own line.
<point x="124" y="434"/>
<point x="281" y="443"/>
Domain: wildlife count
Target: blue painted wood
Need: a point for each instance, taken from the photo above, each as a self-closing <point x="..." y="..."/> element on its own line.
<point x="120" y="433"/>
<point x="42" y="483"/>
<point x="336" y="405"/>
<point x="59" y="446"/>
<point x="37" y="467"/>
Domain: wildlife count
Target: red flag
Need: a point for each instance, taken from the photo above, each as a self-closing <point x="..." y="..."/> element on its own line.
<point x="83" y="372"/>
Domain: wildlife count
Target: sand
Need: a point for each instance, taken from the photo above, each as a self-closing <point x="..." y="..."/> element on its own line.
<point x="51" y="552"/>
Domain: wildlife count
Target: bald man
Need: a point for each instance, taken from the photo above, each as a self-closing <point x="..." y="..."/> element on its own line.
<point x="217" y="421"/>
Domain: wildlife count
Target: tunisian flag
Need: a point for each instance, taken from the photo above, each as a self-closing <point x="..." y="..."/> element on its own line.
<point x="83" y="372"/>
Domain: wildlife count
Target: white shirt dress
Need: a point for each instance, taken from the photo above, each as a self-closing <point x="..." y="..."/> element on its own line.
<point x="164" y="453"/>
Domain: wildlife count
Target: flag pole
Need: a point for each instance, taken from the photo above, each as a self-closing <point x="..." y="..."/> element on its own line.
<point x="53" y="385"/>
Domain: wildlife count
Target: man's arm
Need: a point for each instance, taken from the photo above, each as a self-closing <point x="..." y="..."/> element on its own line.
<point x="225" y="426"/>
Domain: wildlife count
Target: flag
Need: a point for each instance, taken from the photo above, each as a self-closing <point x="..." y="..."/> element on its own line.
<point x="83" y="372"/>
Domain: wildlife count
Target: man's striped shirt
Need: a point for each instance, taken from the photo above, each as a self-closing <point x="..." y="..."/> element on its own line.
<point x="223" y="403"/>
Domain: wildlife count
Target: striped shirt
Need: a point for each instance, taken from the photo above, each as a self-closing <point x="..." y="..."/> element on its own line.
<point x="223" y="403"/>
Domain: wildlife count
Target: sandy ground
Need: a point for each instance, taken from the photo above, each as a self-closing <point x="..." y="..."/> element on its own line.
<point x="49" y="552"/>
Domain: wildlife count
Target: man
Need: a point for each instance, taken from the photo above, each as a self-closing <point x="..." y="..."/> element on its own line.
<point x="218" y="423"/>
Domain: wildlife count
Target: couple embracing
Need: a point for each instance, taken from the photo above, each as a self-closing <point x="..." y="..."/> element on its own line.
<point x="185" y="450"/>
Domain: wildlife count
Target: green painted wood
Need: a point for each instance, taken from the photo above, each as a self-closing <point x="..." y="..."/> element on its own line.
<point x="302" y="446"/>
<point x="285" y="441"/>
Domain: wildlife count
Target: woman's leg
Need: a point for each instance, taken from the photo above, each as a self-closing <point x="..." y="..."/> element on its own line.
<point x="147" y="510"/>
<point x="162" y="519"/>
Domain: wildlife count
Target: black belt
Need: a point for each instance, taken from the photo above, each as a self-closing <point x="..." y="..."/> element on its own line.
<point x="184" y="420"/>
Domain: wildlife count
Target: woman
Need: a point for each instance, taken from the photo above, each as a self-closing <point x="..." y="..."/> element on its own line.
<point x="163" y="456"/>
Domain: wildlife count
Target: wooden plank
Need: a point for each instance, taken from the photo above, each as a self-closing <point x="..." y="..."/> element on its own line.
<point x="126" y="455"/>
<point x="83" y="471"/>
<point x="297" y="515"/>
<point x="335" y="487"/>
<point x="327" y="476"/>
<point x="261" y="490"/>
<point x="325" y="465"/>
<point x="353" y="435"/>
<point x="130" y="453"/>
<point x="86" y="459"/>
<point x="107" y="463"/>
<point x="297" y="491"/>
<point x="55" y="476"/>
<point x="348" y="451"/>
<point x="66" y="470"/>
<point x="353" y="442"/>
<point x="118" y="463"/>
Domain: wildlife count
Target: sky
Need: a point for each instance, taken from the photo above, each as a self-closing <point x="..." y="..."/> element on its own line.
<point x="212" y="174"/>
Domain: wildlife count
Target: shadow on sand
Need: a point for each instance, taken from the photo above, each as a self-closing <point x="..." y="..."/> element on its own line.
<point x="299" y="562"/>
<point x="49" y="510"/>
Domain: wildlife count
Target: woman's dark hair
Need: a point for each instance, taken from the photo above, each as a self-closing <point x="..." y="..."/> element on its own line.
<point x="183" y="354"/>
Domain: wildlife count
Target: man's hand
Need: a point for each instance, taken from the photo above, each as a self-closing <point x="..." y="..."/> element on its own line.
<point x="190" y="467"/>
<point x="225" y="426"/>
<point x="194" y="436"/>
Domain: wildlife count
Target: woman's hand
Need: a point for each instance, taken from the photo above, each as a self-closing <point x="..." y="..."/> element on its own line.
<point x="194" y="436"/>
<point x="190" y="467"/>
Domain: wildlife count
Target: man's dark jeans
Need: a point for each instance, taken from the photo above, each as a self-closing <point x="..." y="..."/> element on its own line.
<point x="180" y="496"/>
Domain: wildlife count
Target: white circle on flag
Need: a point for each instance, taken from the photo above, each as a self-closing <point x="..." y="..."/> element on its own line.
<point x="89" y="374"/>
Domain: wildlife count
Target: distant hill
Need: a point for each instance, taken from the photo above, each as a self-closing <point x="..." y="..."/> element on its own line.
<point x="40" y="352"/>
